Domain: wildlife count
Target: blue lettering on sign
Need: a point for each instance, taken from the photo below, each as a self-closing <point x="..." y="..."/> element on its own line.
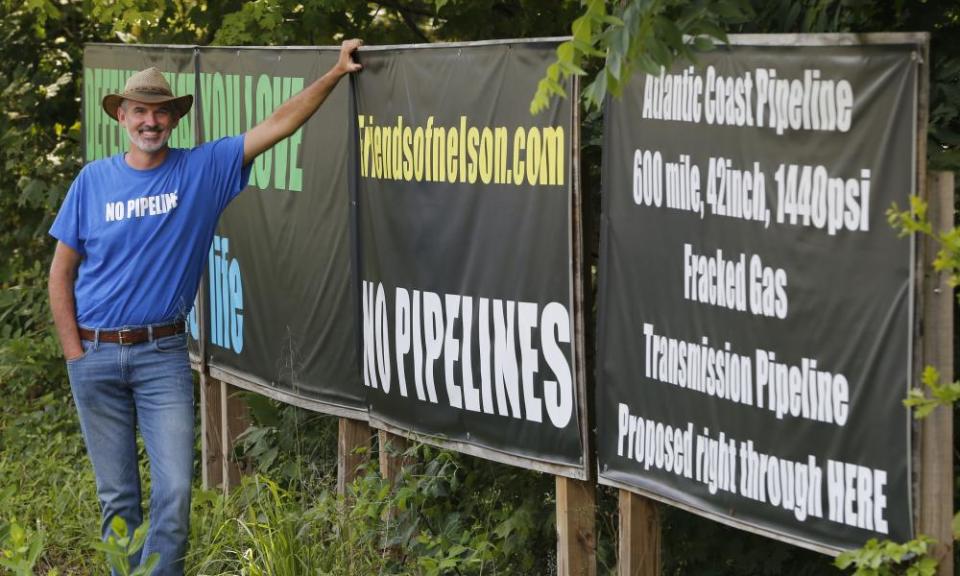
<point x="193" y="322"/>
<point x="226" y="297"/>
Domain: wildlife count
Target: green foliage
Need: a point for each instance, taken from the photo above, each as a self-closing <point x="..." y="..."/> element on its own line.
<point x="447" y="514"/>
<point x="454" y="513"/>
<point x="30" y="359"/>
<point x="912" y="221"/>
<point x="889" y="558"/>
<point x="39" y="131"/>
<point x="636" y="34"/>
<point x="947" y="261"/>
<point x="915" y="221"/>
<point x="288" y="443"/>
<point x="19" y="551"/>
<point x="272" y="532"/>
<point x="121" y="545"/>
<point x="45" y="478"/>
<point x="940" y="394"/>
<point x="460" y="20"/>
<point x="886" y="557"/>
<point x="612" y="39"/>
<point x="324" y="22"/>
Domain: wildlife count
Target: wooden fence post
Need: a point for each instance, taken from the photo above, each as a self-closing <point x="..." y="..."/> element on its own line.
<point x="353" y="434"/>
<point x="638" y="547"/>
<point x="223" y="416"/>
<point x="211" y="452"/>
<point x="936" y="430"/>
<point x="576" y="528"/>
<point x="235" y="419"/>
<point x="392" y="459"/>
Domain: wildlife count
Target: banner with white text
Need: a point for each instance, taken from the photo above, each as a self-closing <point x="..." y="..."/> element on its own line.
<point x="465" y="251"/>
<point x="755" y="306"/>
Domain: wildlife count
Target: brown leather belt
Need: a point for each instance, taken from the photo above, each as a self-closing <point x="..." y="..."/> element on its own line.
<point x="129" y="336"/>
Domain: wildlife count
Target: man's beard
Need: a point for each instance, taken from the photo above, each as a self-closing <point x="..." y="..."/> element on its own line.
<point x="143" y="145"/>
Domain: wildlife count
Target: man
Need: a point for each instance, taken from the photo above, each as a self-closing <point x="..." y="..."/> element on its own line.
<point x="133" y="234"/>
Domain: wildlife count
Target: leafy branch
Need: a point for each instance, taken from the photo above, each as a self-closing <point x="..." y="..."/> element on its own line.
<point x="648" y="35"/>
<point x="940" y="394"/>
<point x="885" y="558"/>
<point x="947" y="260"/>
<point x="912" y="557"/>
<point x="20" y="550"/>
<point x="915" y="221"/>
<point x="121" y="545"/>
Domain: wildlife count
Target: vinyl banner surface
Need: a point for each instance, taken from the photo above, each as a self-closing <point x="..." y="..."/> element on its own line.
<point x="465" y="247"/>
<point x="280" y="306"/>
<point x="754" y="303"/>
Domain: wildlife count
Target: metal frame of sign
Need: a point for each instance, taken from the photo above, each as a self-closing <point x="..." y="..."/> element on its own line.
<point x="922" y="41"/>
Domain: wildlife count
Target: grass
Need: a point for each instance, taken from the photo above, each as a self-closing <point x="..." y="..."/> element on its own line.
<point x="450" y="514"/>
<point x="46" y="482"/>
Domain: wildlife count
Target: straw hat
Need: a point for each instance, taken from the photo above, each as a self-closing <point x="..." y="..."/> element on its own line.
<point x="148" y="86"/>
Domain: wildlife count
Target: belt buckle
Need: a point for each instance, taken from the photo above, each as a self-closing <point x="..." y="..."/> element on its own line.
<point x="120" y="335"/>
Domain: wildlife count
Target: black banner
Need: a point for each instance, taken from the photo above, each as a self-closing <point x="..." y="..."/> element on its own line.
<point x="280" y="302"/>
<point x="465" y="246"/>
<point x="755" y="306"/>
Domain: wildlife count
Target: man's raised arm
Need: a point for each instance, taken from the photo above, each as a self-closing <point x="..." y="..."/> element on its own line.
<point x="286" y="119"/>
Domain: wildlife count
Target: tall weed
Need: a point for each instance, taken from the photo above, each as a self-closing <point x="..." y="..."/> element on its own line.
<point x="445" y="515"/>
<point x="45" y="478"/>
<point x="20" y="550"/>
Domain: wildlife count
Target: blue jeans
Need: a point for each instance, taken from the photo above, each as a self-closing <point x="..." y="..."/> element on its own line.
<point x="117" y="388"/>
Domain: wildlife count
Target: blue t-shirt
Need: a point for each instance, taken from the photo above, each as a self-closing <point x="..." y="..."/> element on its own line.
<point x="144" y="234"/>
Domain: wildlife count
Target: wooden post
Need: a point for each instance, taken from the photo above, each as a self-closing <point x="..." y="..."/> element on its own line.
<point x="353" y="434"/>
<point x="392" y="459"/>
<point x="223" y="416"/>
<point x="638" y="548"/>
<point x="936" y="433"/>
<point x="576" y="533"/>
<point x="235" y="419"/>
<point x="211" y="451"/>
